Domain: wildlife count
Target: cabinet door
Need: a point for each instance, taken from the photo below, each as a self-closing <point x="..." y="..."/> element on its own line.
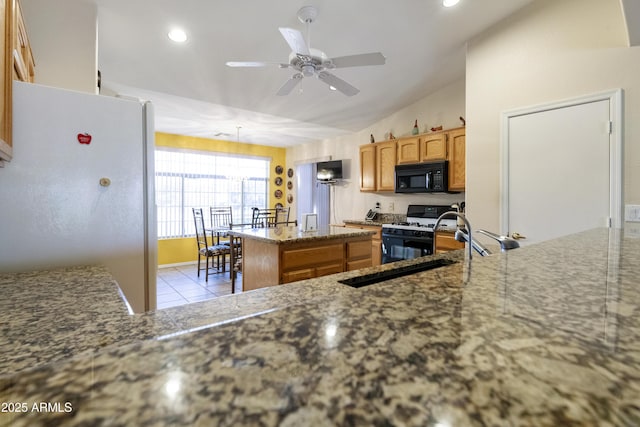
<point x="6" y="77"/>
<point x="385" y="166"/>
<point x="408" y="150"/>
<point x="433" y="147"/>
<point x="456" y="157"/>
<point x="446" y="242"/>
<point x="368" y="168"/>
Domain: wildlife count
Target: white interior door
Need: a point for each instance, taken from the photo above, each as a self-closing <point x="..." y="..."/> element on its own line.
<point x="557" y="176"/>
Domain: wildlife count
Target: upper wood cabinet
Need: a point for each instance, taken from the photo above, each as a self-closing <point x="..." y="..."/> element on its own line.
<point x="433" y="147"/>
<point x="408" y="150"/>
<point x="385" y="166"/>
<point x="377" y="166"/>
<point x="378" y="160"/>
<point x="16" y="62"/>
<point x="368" y="167"/>
<point x="456" y="149"/>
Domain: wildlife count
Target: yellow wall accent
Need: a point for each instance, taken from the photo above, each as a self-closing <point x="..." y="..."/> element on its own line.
<point x="175" y="251"/>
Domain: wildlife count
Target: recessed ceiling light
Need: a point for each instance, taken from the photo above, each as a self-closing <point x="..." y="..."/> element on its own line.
<point x="449" y="3"/>
<point x="177" y="35"/>
<point x="332" y="88"/>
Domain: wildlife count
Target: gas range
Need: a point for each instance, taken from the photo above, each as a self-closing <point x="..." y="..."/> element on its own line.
<point x="420" y="221"/>
<point x="414" y="238"/>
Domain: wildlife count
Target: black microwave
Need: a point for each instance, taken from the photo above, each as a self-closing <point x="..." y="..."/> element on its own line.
<point x="430" y="177"/>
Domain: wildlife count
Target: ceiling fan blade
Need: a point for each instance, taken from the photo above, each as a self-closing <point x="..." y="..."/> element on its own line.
<point x="338" y="83"/>
<point x="288" y="86"/>
<point x="254" y="64"/>
<point x="295" y="41"/>
<point x="374" y="58"/>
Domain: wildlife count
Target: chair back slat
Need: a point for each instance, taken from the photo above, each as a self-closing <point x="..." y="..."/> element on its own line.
<point x="201" y="235"/>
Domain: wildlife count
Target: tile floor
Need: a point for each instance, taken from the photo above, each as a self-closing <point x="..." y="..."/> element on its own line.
<point x="181" y="285"/>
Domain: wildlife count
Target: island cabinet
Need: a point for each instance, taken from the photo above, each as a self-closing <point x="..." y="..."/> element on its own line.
<point x="377" y="166"/>
<point x="376" y="239"/>
<point x="274" y="256"/>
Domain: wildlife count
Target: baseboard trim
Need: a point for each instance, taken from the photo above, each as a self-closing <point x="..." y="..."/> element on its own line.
<point x="178" y="264"/>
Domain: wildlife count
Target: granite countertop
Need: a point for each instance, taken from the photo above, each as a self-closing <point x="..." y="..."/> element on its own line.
<point x="548" y="335"/>
<point x="293" y="234"/>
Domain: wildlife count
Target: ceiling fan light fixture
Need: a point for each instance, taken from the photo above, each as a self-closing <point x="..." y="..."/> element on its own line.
<point x="177" y="35"/>
<point x="449" y="3"/>
<point x="308" y="70"/>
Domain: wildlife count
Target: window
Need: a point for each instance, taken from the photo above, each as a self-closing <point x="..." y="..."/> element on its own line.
<point x="192" y="179"/>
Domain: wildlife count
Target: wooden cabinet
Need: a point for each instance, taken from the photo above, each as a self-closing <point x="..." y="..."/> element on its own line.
<point x="408" y="150"/>
<point x="377" y="166"/>
<point x="267" y="262"/>
<point x="385" y="166"/>
<point x="16" y="62"/>
<point x="376" y="241"/>
<point x="446" y="242"/>
<point x="368" y="167"/>
<point x="23" y="63"/>
<point x="456" y="154"/>
<point x="313" y="261"/>
<point x="378" y="160"/>
<point x="6" y="77"/>
<point x="433" y="147"/>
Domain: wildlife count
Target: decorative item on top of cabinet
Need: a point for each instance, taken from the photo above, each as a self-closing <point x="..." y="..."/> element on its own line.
<point x="436" y="128"/>
<point x="372" y="139"/>
<point x="415" y="129"/>
<point x="464" y="122"/>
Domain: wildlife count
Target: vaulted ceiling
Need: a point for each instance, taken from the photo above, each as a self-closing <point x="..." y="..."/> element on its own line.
<point x="195" y="93"/>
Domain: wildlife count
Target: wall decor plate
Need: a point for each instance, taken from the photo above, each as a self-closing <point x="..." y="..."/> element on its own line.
<point x="279" y="169"/>
<point x="278" y="194"/>
<point x="290" y="173"/>
<point x="279" y="205"/>
<point x="278" y="181"/>
<point x="290" y="198"/>
<point x="289" y="185"/>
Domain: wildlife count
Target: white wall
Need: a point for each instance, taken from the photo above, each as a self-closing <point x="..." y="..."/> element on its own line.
<point x="443" y="107"/>
<point x="551" y="50"/>
<point x="66" y="59"/>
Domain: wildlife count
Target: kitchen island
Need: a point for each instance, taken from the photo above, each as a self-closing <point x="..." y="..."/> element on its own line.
<point x="544" y="335"/>
<point x="276" y="255"/>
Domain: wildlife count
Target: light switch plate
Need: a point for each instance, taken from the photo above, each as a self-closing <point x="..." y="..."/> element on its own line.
<point x="632" y="213"/>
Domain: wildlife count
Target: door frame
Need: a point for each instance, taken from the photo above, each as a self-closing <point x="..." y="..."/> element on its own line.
<point x="615" y="98"/>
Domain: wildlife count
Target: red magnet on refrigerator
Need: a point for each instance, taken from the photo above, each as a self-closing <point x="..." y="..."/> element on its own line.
<point x="84" y="138"/>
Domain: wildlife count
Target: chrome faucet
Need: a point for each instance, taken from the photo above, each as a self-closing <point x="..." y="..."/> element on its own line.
<point x="464" y="235"/>
<point x="466" y="223"/>
<point x="506" y="242"/>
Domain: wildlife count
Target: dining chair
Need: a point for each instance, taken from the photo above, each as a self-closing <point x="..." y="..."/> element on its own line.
<point x="210" y="252"/>
<point x="221" y="223"/>
<point x="270" y="217"/>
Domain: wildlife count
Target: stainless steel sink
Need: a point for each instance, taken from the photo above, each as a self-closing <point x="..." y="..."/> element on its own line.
<point x="381" y="276"/>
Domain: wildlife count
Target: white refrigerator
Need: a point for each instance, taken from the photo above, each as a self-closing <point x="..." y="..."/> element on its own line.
<point x="79" y="188"/>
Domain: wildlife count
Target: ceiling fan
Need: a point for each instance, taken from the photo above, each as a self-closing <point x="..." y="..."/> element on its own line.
<point x="308" y="62"/>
